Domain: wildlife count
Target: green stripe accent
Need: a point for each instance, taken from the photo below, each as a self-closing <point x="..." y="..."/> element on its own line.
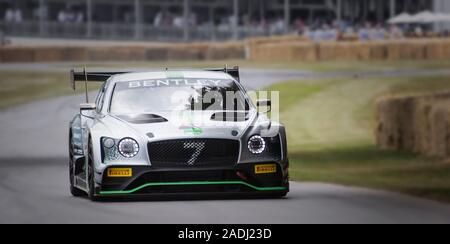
<point x="196" y="183"/>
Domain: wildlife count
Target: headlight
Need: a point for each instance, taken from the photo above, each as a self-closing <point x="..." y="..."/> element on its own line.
<point x="108" y="143"/>
<point x="256" y="145"/>
<point x="128" y="147"/>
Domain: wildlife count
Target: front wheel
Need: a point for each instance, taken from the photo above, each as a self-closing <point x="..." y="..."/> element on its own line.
<point x="91" y="174"/>
<point x="73" y="190"/>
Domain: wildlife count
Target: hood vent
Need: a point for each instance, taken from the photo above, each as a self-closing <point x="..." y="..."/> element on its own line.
<point x="230" y="116"/>
<point x="143" y="118"/>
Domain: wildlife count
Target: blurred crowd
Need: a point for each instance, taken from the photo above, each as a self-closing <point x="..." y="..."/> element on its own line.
<point x="70" y="16"/>
<point x="365" y="31"/>
<point x="317" y="29"/>
<point x="276" y="26"/>
<point x="13" y="15"/>
<point x="341" y="30"/>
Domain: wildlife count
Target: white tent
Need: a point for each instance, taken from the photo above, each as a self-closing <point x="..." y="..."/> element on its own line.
<point x="441" y="18"/>
<point x="424" y="17"/>
<point x="403" y="18"/>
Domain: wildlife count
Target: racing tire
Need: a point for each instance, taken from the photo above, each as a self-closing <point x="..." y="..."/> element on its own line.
<point x="73" y="190"/>
<point x="91" y="174"/>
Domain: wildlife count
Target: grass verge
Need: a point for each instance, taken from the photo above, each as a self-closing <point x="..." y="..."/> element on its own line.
<point x="19" y="87"/>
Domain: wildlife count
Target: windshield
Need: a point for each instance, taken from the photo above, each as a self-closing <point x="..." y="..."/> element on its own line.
<point x="137" y="97"/>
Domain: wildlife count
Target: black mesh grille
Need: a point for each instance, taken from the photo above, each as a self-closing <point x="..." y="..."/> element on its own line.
<point x="194" y="153"/>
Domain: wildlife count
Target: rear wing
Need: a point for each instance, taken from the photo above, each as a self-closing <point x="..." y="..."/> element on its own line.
<point x="84" y="76"/>
<point x="234" y="72"/>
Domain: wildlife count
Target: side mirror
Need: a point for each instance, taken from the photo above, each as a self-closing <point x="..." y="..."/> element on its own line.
<point x="265" y="103"/>
<point x="87" y="108"/>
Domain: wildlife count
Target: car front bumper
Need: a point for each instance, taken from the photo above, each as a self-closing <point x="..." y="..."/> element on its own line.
<point x="238" y="180"/>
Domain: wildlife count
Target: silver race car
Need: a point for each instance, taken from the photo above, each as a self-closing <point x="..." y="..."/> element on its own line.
<point x="175" y="132"/>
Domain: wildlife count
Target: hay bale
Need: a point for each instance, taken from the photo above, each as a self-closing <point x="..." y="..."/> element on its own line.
<point x="407" y="136"/>
<point x="275" y="52"/>
<point x="75" y="54"/>
<point x="417" y="50"/>
<point x="406" y="50"/>
<point x="225" y="51"/>
<point x="288" y="38"/>
<point x="327" y="51"/>
<point x="418" y="124"/>
<point x="395" y="127"/>
<point x="48" y="54"/>
<point x="431" y="121"/>
<point x="117" y="53"/>
<point x="306" y="51"/>
<point x="100" y="53"/>
<point x="200" y="48"/>
<point x="16" y="54"/>
<point x="159" y="53"/>
<point x="435" y="50"/>
<point x="362" y="50"/>
<point x="448" y="137"/>
<point x="387" y="126"/>
<point x="394" y="50"/>
<point x="183" y="53"/>
<point x="290" y="51"/>
<point x="422" y="126"/>
<point x="129" y="53"/>
<point x="275" y="39"/>
<point x="346" y="51"/>
<point x="378" y="50"/>
<point x="263" y="52"/>
<point x="253" y="45"/>
<point x="135" y="53"/>
<point x="445" y="49"/>
<point x="439" y="134"/>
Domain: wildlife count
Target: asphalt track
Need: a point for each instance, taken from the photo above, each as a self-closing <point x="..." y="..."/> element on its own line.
<point x="34" y="181"/>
